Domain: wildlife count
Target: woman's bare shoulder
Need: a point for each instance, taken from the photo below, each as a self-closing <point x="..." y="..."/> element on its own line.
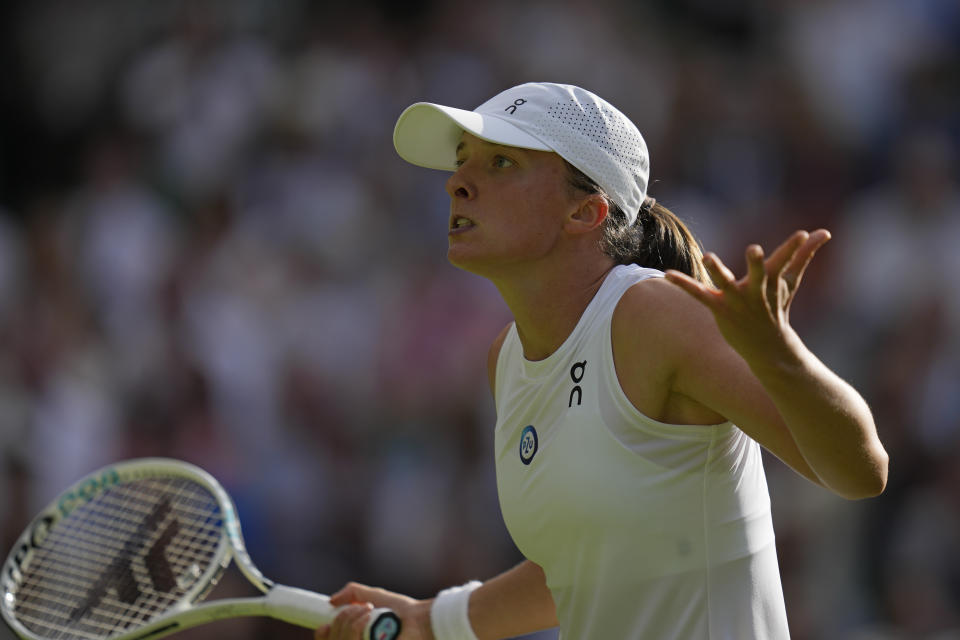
<point x="656" y="304"/>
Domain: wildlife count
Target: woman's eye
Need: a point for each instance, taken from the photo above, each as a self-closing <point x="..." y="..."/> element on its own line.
<point x="499" y="162"/>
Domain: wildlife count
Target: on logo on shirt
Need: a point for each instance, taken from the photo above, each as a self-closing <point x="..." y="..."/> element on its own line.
<point x="577" y="372"/>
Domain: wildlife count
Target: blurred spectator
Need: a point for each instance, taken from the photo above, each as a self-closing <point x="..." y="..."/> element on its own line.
<point x="209" y="250"/>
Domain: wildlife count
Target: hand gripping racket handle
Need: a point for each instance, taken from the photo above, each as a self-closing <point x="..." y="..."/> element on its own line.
<point x="310" y="610"/>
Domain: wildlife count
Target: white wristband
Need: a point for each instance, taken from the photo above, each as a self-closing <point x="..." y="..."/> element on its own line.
<point x="449" y="613"/>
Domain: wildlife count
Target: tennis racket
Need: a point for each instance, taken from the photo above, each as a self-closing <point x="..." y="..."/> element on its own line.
<point x="129" y="551"/>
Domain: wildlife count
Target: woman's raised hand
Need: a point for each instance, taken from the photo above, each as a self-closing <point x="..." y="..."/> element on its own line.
<point x="753" y="313"/>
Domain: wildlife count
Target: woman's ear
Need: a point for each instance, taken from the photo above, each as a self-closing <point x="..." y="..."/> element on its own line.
<point x="589" y="215"/>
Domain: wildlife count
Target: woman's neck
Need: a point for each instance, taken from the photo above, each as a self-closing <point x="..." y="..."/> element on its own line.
<point x="548" y="307"/>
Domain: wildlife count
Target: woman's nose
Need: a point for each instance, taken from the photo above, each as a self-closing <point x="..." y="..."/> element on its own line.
<point x="459" y="185"/>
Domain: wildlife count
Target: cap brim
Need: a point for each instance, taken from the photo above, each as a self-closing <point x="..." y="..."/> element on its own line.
<point x="427" y="134"/>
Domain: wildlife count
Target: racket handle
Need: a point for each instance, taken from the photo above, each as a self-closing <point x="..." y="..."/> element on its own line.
<point x="311" y="610"/>
<point x="384" y="625"/>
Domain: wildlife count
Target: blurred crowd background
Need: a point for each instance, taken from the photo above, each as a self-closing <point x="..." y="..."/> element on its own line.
<point x="210" y="250"/>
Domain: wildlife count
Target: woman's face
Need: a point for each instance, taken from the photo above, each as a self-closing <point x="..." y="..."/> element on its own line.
<point x="508" y="206"/>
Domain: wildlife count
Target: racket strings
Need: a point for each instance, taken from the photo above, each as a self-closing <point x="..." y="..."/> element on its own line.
<point x="120" y="559"/>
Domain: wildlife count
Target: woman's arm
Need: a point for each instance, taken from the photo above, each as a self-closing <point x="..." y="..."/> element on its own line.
<point x="514" y="603"/>
<point x="748" y="365"/>
<point x="829" y="421"/>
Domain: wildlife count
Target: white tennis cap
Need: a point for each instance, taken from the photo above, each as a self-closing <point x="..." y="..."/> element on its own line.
<point x="584" y="129"/>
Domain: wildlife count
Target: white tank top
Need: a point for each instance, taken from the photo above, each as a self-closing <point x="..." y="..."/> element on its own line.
<point x="645" y="530"/>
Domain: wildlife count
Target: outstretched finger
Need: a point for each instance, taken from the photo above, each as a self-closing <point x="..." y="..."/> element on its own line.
<point x="801" y="259"/>
<point x="784" y="254"/>
<point x="693" y="287"/>
<point x="756" y="272"/>
<point x="722" y="276"/>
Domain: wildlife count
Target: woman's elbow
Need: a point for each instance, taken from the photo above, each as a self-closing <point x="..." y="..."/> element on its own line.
<point x="872" y="481"/>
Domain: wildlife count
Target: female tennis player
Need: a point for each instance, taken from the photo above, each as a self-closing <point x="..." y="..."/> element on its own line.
<point x="633" y="389"/>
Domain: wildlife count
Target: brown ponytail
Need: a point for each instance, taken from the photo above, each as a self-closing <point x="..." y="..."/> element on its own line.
<point x="658" y="239"/>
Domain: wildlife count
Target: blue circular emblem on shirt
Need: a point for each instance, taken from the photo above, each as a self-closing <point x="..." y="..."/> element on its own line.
<point x="528" y="444"/>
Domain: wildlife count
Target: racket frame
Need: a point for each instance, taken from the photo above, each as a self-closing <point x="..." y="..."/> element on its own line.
<point x="297" y="606"/>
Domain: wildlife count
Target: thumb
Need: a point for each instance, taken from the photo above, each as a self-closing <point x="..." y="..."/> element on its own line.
<point x="351" y="593"/>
